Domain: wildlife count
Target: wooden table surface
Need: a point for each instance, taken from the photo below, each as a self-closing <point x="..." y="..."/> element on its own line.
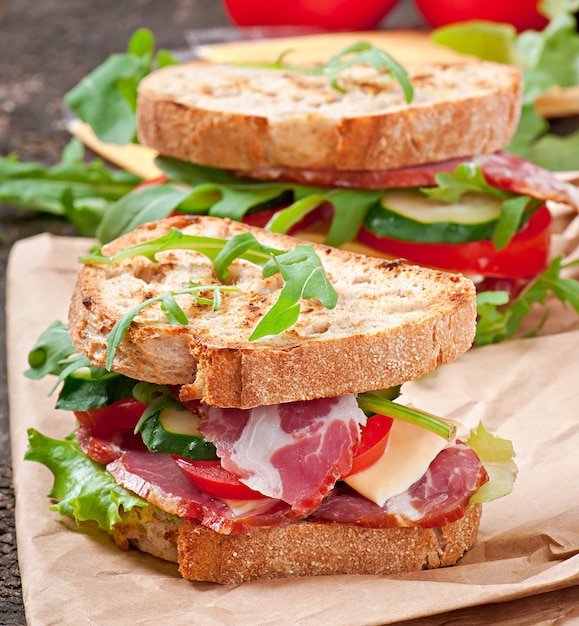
<point x="47" y="47"/>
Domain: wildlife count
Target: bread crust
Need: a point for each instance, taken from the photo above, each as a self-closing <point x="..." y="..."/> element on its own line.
<point x="302" y="549"/>
<point x="246" y="118"/>
<point x="394" y="322"/>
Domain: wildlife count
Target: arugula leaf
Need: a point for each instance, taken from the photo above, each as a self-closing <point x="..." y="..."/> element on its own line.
<point x="283" y="220"/>
<point x="84" y="490"/>
<point x="242" y="245"/>
<point x="510" y="219"/>
<point x="236" y="200"/>
<point x="377" y="402"/>
<point x="83" y="394"/>
<point x="497" y="456"/>
<point x="85" y="386"/>
<point x="305" y="279"/>
<point x="107" y="97"/>
<point x="499" y="320"/>
<point x="78" y="191"/>
<point x="468" y="178"/>
<point x="350" y="209"/>
<point x="139" y="207"/>
<point x="360" y="53"/>
<point x="52" y="347"/>
<point x="169" y="306"/>
<point x="176" y="239"/>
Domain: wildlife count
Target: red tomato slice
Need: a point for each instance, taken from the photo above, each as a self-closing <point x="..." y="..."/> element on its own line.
<point x="151" y="182"/>
<point x="120" y="415"/>
<point x="373" y="442"/>
<point x="215" y="480"/>
<point x="526" y="255"/>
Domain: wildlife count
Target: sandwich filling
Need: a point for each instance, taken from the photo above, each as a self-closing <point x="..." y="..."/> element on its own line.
<point x="236" y="471"/>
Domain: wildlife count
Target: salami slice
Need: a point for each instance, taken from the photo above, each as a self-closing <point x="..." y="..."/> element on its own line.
<point x="501" y="169"/>
<point x="439" y="497"/>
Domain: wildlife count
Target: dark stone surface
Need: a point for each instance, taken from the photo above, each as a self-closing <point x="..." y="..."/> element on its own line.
<point x="46" y="48"/>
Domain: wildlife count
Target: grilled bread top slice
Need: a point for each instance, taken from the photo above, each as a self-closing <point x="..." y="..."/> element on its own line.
<point x="393" y="322"/>
<point x="246" y="118"/>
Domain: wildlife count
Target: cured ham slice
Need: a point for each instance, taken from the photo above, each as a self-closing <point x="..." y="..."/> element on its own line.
<point x="158" y="480"/>
<point x="294" y="452"/>
<point x="106" y="447"/>
<point x="439" y="497"/>
<point x="500" y="169"/>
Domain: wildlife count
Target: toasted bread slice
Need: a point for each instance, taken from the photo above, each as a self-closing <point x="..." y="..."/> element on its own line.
<point x="305" y="549"/>
<point x="245" y="118"/>
<point x="393" y="322"/>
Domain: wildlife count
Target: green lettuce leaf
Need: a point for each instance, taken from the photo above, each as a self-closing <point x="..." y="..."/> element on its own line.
<point x="547" y="58"/>
<point x="83" y="489"/>
<point x="497" y="456"/>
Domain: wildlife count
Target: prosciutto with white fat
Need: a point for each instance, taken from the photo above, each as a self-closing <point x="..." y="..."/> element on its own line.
<point x="293" y="452"/>
<point x="439" y="497"/>
<point x="500" y="169"/>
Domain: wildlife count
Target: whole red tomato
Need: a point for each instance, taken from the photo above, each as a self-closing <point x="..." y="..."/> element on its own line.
<point x="325" y="14"/>
<point x="522" y="14"/>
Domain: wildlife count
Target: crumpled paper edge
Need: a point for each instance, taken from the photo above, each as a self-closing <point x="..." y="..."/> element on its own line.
<point x="67" y="574"/>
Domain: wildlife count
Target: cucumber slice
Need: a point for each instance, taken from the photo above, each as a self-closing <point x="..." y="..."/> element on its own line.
<point x="408" y="215"/>
<point x="174" y="431"/>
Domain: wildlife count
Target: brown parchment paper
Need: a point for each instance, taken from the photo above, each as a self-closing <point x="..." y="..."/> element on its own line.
<point x="528" y="548"/>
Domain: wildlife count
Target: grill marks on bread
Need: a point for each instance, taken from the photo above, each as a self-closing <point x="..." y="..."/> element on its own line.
<point x="245" y="118"/>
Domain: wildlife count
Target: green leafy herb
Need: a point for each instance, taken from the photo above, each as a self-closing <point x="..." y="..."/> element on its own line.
<point x="85" y="394"/>
<point x="300" y="268"/>
<point x="360" y="53"/>
<point x="84" y="490"/>
<point x="203" y="191"/>
<point x="52" y="347"/>
<point x="175" y="239"/>
<point x="468" y="178"/>
<point x="170" y="308"/>
<point x="85" y="386"/>
<point x="305" y="279"/>
<point x="547" y="59"/>
<point x="139" y="207"/>
<point x="377" y="403"/>
<point x="77" y="191"/>
<point x="107" y="97"/>
<point x="499" y="320"/>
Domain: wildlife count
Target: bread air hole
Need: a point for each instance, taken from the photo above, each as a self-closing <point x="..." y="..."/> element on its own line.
<point x="149" y="274"/>
<point x="319" y="328"/>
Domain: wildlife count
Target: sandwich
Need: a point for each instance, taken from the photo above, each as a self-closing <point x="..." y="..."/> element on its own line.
<point x="400" y="162"/>
<point x="238" y="406"/>
<point x="412" y="168"/>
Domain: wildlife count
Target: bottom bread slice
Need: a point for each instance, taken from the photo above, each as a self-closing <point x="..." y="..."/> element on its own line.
<point x="302" y="549"/>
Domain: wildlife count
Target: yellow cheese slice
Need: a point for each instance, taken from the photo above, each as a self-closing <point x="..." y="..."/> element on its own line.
<point x="409" y="452"/>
